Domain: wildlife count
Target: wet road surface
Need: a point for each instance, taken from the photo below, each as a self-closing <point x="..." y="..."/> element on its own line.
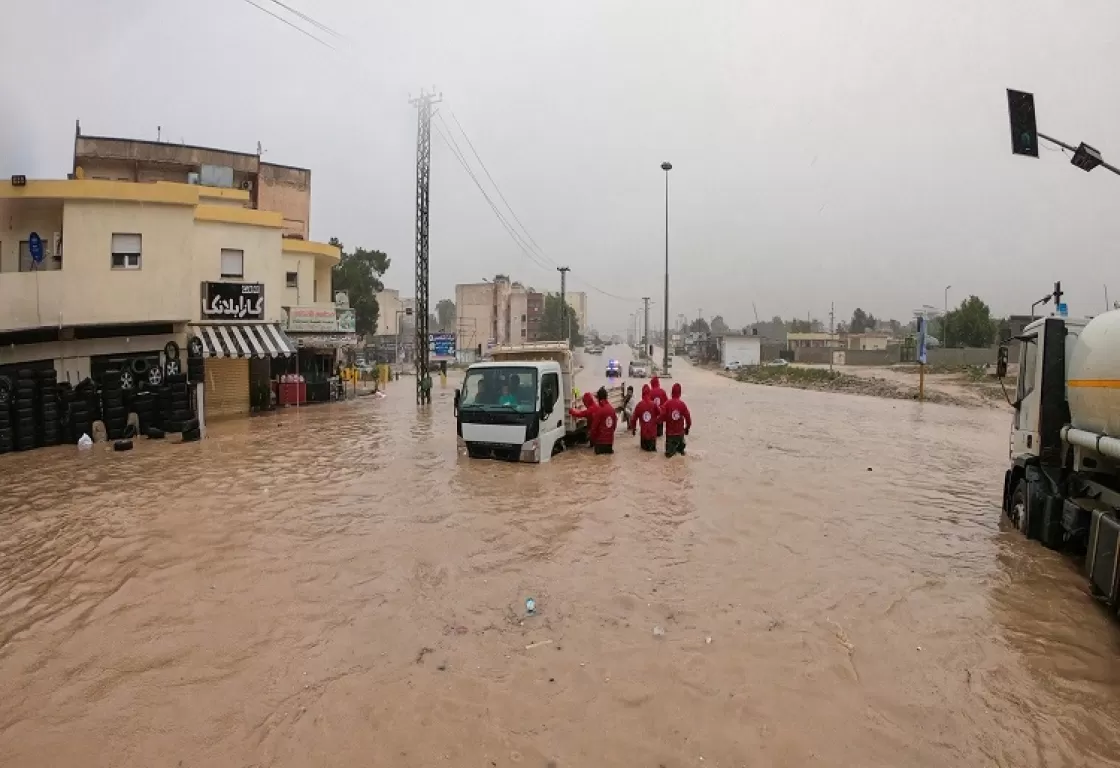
<point x="335" y="587"/>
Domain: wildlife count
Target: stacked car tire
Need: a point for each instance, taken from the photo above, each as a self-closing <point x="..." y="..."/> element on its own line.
<point x="23" y="413"/>
<point x="48" y="407"/>
<point x="112" y="403"/>
<point x="84" y="409"/>
<point x="7" y="435"/>
<point x="178" y="401"/>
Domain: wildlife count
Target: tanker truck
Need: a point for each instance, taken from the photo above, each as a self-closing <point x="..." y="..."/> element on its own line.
<point x="1063" y="484"/>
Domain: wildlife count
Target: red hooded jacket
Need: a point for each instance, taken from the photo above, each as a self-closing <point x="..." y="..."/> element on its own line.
<point x="604" y="424"/>
<point x="657" y="394"/>
<point x="646" y="414"/>
<point x="675" y="415"/>
<point x="590" y="412"/>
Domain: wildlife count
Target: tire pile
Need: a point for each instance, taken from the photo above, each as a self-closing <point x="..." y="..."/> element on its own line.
<point x="7" y="435"/>
<point x="48" y="408"/>
<point x="24" y="407"/>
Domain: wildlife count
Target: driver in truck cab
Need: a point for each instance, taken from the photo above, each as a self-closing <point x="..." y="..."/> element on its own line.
<point x="590" y="412"/>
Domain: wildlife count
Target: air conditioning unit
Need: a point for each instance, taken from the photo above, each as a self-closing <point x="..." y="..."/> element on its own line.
<point x="247" y="185"/>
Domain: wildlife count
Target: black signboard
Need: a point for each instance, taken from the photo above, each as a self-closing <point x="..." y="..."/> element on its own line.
<point x="233" y="301"/>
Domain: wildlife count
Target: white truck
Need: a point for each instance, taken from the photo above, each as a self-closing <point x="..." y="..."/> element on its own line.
<point x="515" y="406"/>
<point x="1063" y="485"/>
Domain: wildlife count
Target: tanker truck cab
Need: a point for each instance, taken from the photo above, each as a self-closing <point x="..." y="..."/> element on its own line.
<point x="511" y="410"/>
<point x="1062" y="487"/>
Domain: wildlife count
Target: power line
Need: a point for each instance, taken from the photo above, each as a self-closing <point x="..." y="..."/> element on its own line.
<point x="296" y="27"/>
<point x="308" y="19"/>
<point x="539" y="254"/>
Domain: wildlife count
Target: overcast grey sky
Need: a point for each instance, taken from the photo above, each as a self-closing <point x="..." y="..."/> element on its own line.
<point x="855" y="151"/>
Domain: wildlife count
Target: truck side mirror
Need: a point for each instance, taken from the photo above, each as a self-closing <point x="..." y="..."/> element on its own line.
<point x="1001" y="361"/>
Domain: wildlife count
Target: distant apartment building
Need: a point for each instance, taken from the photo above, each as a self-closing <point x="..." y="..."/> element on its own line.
<point x="497" y="312"/>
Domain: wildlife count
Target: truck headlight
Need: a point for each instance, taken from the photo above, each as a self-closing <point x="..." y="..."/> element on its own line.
<point x="531" y="451"/>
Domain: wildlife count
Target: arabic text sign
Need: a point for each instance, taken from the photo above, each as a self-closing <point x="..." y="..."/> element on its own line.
<point x="441" y="345"/>
<point x="312" y="319"/>
<point x="233" y="301"/>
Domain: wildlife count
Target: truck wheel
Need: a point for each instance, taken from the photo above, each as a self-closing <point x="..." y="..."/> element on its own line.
<point x="1017" y="509"/>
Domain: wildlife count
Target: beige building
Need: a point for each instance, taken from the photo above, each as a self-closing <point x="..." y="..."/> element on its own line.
<point x="395" y="314"/>
<point x="808" y="340"/>
<point x="577" y="300"/>
<point x="497" y="312"/>
<point x="867" y="341"/>
<point x="128" y="267"/>
<point x="283" y="189"/>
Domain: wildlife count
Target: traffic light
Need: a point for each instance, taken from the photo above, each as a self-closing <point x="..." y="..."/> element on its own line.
<point x="1024" y="131"/>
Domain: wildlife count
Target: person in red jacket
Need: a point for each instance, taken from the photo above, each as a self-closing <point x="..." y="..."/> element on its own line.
<point x="590" y="412"/>
<point x="659" y="398"/>
<point x="605" y="423"/>
<point x="648" y="416"/>
<point x="677" y="421"/>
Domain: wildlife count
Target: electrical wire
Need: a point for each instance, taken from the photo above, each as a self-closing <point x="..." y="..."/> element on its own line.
<point x="538" y="256"/>
<point x="309" y="20"/>
<point x="296" y="27"/>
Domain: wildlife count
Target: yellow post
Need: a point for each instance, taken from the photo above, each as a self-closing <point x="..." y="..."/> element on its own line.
<point x="921" y="381"/>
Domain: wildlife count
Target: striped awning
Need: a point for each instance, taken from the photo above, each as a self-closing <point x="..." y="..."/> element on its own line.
<point x="257" y="340"/>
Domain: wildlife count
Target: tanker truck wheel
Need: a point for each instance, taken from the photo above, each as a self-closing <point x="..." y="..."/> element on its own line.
<point x="1017" y="509"/>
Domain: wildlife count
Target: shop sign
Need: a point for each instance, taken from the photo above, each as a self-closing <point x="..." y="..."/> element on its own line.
<point x="233" y="301"/>
<point x="311" y="319"/>
<point x="442" y="345"/>
<point x="346" y="321"/>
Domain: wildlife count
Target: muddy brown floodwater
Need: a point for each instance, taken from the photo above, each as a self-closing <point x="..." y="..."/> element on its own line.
<point x="335" y="587"/>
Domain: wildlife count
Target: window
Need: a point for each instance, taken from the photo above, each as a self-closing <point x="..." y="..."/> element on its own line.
<point x="126" y="249"/>
<point x="292" y="279"/>
<point x="550" y="391"/>
<point x="1028" y="357"/>
<point x="233" y="262"/>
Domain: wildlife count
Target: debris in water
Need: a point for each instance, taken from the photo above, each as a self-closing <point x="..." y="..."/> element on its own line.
<point x="708" y="641"/>
<point x="659" y="631"/>
<point x="537" y="644"/>
<point x="530" y="606"/>
<point x="423" y="652"/>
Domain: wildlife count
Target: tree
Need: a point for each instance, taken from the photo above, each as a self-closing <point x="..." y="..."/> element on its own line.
<point x="553" y="320"/>
<point x="699" y="325"/>
<point x="445" y="315"/>
<point x="800" y="326"/>
<point x="359" y="275"/>
<point x="719" y="327"/>
<point x="970" y="324"/>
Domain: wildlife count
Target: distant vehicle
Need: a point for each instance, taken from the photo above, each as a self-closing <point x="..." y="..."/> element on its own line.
<point x="778" y="363"/>
<point x="613" y="369"/>
<point x="639" y="371"/>
<point x="594" y="349"/>
<point x="734" y="365"/>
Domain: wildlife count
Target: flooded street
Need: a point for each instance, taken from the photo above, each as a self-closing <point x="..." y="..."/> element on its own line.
<point x="335" y="587"/>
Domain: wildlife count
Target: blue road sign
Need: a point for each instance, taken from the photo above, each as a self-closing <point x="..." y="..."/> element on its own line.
<point x="441" y="344"/>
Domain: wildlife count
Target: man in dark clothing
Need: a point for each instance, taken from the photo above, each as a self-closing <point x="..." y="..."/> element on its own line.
<point x="677" y="421"/>
<point x="605" y="423"/>
<point x="590" y="412"/>
<point x="659" y="398"/>
<point x="646" y="415"/>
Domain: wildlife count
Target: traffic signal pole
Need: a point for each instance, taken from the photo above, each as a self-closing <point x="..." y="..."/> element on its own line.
<point x="1063" y="145"/>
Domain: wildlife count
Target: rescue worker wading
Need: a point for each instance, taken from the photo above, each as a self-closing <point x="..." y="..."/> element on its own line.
<point x="590" y="412"/>
<point x="677" y="421"/>
<point x="605" y="423"/>
<point x="659" y="398"/>
<point x="646" y="416"/>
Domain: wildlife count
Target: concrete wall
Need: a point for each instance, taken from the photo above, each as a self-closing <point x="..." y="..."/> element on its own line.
<point x="263" y="264"/>
<point x="304" y="267"/>
<point x="287" y="190"/>
<point x="18" y="219"/>
<point x="962" y="356"/>
<point x="812" y="355"/>
<point x="870" y="357"/>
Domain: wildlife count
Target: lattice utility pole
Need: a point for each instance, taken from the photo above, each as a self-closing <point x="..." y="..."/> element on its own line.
<point x="645" y="330"/>
<point x="564" y="303"/>
<point x="423" y="104"/>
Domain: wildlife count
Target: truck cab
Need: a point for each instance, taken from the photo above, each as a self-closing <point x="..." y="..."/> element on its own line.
<point x="511" y="410"/>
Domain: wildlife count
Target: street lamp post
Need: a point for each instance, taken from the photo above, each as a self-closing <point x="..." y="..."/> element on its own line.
<point x="666" y="166"/>
<point x="945" y="320"/>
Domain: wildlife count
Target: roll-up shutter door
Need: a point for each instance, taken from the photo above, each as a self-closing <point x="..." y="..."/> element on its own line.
<point x="227" y="387"/>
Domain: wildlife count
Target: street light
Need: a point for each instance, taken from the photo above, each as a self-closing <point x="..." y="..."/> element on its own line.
<point x="666" y="166"/>
<point x="945" y="320"/>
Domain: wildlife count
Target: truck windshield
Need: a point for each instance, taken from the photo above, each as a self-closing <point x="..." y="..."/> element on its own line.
<point x="508" y="388"/>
